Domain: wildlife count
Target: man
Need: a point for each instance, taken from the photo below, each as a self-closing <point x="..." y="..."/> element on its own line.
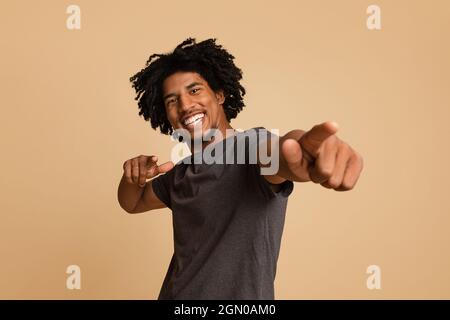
<point x="227" y="219"/>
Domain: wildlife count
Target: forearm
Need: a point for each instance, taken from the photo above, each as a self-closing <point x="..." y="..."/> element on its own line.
<point x="129" y="194"/>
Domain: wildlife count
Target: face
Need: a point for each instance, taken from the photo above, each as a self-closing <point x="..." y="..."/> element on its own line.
<point x="190" y="103"/>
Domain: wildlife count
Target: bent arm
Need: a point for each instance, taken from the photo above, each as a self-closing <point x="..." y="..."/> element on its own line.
<point x="135" y="199"/>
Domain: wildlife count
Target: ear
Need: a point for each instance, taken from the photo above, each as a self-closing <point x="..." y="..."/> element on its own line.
<point x="220" y="97"/>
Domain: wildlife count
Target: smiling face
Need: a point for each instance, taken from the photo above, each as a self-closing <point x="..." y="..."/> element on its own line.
<point x="190" y="102"/>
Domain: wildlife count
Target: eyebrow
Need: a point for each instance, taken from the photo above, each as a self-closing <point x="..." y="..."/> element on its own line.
<point x="189" y="86"/>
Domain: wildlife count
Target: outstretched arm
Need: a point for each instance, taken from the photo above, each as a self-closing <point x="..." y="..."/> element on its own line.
<point x="318" y="155"/>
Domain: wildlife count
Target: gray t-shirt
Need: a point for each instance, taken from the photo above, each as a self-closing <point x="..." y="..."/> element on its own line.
<point x="227" y="228"/>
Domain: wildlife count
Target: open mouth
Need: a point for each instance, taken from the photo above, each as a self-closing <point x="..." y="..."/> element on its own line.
<point x="193" y="121"/>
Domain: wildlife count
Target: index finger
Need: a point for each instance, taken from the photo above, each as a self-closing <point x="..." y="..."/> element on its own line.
<point x="167" y="166"/>
<point x="158" y="169"/>
<point x="313" y="138"/>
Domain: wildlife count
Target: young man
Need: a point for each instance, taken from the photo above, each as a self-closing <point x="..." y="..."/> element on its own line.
<point x="227" y="218"/>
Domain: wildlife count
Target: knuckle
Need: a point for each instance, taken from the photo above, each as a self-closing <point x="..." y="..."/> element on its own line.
<point x="347" y="186"/>
<point x="361" y="160"/>
<point x="333" y="182"/>
<point x="325" y="172"/>
<point x="344" y="147"/>
<point x="326" y="185"/>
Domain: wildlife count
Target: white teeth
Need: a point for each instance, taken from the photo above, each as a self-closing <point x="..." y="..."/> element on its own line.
<point x="193" y="119"/>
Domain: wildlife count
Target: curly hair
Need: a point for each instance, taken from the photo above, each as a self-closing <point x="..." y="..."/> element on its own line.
<point x="208" y="59"/>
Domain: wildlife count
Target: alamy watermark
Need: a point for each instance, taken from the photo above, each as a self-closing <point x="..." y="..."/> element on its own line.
<point x="373" y="21"/>
<point x="374" y="280"/>
<point x="73" y="21"/>
<point x="73" y="281"/>
<point x="248" y="147"/>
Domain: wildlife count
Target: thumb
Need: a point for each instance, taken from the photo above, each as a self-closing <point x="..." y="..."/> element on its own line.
<point x="297" y="161"/>
<point x="292" y="153"/>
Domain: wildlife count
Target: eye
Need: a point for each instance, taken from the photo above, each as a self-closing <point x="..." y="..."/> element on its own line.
<point x="195" y="90"/>
<point x="170" y="101"/>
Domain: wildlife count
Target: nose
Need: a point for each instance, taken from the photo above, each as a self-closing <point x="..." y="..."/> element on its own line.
<point x="186" y="102"/>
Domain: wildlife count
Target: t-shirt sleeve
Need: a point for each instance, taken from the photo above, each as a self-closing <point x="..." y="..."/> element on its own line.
<point x="285" y="188"/>
<point x="161" y="187"/>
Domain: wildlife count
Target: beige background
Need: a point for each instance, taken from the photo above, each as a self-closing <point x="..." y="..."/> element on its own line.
<point x="69" y="121"/>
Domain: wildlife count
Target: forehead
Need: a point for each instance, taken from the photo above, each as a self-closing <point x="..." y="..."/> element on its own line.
<point x="180" y="80"/>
